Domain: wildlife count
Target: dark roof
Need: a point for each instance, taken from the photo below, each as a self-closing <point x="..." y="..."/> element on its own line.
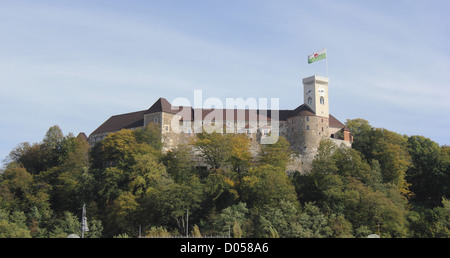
<point x="162" y="105"/>
<point x="237" y="114"/>
<point x="136" y="119"/>
<point x="335" y="123"/>
<point x="124" y="121"/>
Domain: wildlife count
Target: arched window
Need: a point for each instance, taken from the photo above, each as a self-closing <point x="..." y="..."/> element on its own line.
<point x="307" y="127"/>
<point x="322" y="101"/>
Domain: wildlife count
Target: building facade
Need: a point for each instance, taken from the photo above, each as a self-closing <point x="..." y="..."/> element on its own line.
<point x="303" y="127"/>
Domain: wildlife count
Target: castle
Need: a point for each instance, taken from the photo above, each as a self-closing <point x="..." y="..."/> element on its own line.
<point x="303" y="127"/>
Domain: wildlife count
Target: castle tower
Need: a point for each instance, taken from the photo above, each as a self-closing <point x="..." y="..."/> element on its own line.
<point x="315" y="93"/>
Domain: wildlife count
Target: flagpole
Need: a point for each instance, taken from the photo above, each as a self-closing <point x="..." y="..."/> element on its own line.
<point x="327" y="63"/>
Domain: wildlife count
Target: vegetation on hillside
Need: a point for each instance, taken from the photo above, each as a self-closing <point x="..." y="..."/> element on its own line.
<point x="389" y="184"/>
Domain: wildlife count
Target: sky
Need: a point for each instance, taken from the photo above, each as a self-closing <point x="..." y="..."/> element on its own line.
<point x="76" y="63"/>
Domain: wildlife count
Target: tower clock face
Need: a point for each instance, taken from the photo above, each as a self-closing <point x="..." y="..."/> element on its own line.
<point x="321" y="91"/>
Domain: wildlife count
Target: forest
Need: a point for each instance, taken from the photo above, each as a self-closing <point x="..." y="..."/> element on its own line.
<point x="393" y="185"/>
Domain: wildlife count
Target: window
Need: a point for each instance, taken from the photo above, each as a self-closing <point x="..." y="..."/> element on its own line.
<point x="166" y="127"/>
<point x="309" y="101"/>
<point x="322" y="101"/>
<point x="307" y="127"/>
<point x="155" y="120"/>
<point x="307" y="118"/>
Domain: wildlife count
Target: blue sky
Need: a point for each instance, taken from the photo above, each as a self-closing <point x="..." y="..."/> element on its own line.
<point x="76" y="63"/>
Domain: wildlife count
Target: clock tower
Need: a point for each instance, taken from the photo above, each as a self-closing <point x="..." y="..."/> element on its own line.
<point x="315" y="92"/>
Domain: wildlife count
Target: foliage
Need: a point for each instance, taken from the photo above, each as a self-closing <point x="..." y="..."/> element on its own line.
<point x="429" y="174"/>
<point x="215" y="148"/>
<point x="387" y="183"/>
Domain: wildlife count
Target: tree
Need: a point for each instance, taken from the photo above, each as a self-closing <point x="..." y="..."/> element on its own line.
<point x="231" y="219"/>
<point x="277" y="154"/>
<point x="281" y="219"/>
<point x="118" y="149"/>
<point x="70" y="180"/>
<point x="196" y="231"/>
<point x="266" y="185"/>
<point x="362" y="133"/>
<point x="167" y="203"/>
<point x="429" y="174"/>
<point x="31" y="157"/>
<point x="151" y="135"/>
<point x="13" y="225"/>
<point x="69" y="224"/>
<point x="20" y="191"/>
<point x="430" y="223"/>
<point x="179" y="163"/>
<point x="241" y="156"/>
<point x="215" y="148"/>
<point x="387" y="147"/>
<point x="146" y="173"/>
<point x="123" y="215"/>
<point x="390" y="149"/>
<point x="157" y="232"/>
<point x="222" y="188"/>
<point x="342" y="183"/>
<point x="52" y="146"/>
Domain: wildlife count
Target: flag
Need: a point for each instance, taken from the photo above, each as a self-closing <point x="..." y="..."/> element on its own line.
<point x="319" y="55"/>
<point x="84" y="226"/>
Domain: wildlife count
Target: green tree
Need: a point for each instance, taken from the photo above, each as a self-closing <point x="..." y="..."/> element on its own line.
<point x="167" y="203"/>
<point x="221" y="188"/>
<point x="230" y="220"/>
<point x="341" y="182"/>
<point x="20" y="191"/>
<point x="118" y="149"/>
<point x="179" y="163"/>
<point x="69" y="224"/>
<point x="31" y="157"/>
<point x="277" y="154"/>
<point x="429" y="174"/>
<point x="71" y="180"/>
<point x="146" y="173"/>
<point x="215" y="148"/>
<point x="151" y="135"/>
<point x="122" y="215"/>
<point x="158" y="232"/>
<point x="430" y="223"/>
<point x="362" y="133"/>
<point x="279" y="221"/>
<point x="13" y="225"/>
<point x="388" y="148"/>
<point x="266" y="185"/>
